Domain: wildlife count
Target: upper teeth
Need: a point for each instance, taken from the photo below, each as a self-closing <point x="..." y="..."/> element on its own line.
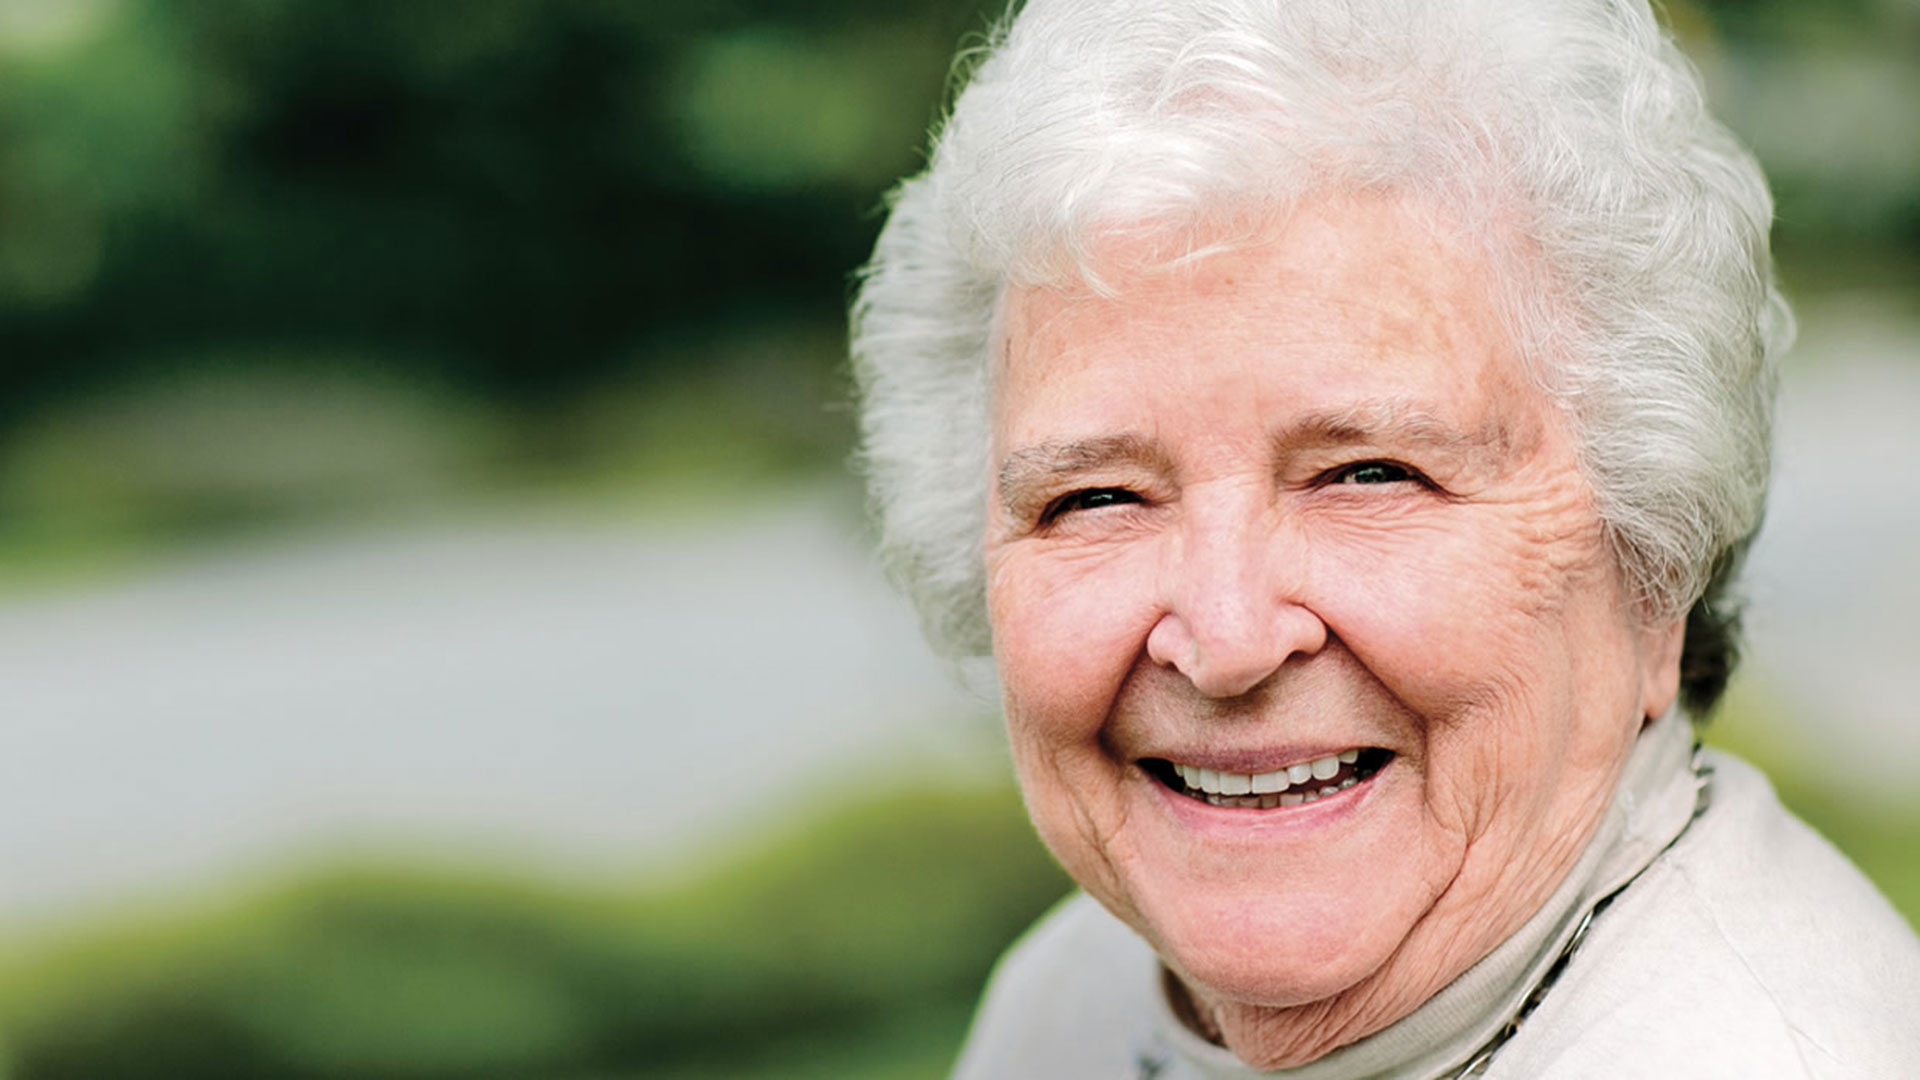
<point x="1215" y="782"/>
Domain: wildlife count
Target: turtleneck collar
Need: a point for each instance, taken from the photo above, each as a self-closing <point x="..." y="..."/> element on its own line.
<point x="1652" y="805"/>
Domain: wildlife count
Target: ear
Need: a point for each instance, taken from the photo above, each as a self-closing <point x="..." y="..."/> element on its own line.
<point x="1660" y="647"/>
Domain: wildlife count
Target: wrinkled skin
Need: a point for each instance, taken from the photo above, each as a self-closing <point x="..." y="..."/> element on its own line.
<point x="1295" y="498"/>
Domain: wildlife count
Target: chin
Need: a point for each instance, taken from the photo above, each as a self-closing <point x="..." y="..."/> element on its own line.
<point x="1274" y="954"/>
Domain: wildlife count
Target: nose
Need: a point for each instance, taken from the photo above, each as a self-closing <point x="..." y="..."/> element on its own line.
<point x="1231" y="613"/>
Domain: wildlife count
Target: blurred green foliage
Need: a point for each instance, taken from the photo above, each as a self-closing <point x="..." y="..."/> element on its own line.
<point x="855" y="942"/>
<point x="263" y="257"/>
<point x="524" y="194"/>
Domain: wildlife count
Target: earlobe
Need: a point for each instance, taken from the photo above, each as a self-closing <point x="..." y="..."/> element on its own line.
<point x="1660" y="673"/>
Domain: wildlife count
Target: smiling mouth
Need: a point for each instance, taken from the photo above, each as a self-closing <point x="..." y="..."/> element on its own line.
<point x="1295" y="785"/>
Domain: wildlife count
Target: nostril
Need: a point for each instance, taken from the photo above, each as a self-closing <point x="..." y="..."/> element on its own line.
<point x="1223" y="680"/>
<point x="1171" y="643"/>
<point x="1228" y="669"/>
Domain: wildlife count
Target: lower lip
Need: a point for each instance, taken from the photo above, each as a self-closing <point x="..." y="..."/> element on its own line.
<point x="1240" y="822"/>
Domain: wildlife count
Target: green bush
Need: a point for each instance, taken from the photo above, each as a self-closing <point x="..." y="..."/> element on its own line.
<point x="873" y="926"/>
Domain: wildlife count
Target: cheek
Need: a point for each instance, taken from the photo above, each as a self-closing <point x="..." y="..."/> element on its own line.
<point x="1066" y="632"/>
<point x="1430" y="613"/>
<point x="1493" y="636"/>
<point x="1065" y="638"/>
<point x="1468" y="610"/>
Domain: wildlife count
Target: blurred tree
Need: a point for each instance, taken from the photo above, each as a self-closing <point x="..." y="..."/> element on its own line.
<point x="523" y="193"/>
<point x="536" y="201"/>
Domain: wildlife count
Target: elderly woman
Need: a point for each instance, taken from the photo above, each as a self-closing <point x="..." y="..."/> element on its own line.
<point x="1341" y="422"/>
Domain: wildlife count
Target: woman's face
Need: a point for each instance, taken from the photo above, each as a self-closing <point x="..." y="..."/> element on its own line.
<point x="1296" y="515"/>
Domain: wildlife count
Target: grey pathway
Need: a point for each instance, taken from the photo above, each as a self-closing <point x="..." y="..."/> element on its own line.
<point x="1835" y="576"/>
<point x="576" y="694"/>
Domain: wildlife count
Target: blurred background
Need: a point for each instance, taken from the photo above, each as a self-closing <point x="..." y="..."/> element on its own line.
<point x="438" y="637"/>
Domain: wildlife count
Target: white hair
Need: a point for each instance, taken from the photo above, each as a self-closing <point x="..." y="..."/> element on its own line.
<point x="1575" y="124"/>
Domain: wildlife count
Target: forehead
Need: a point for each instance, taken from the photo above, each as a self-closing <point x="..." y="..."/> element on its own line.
<point x="1344" y="302"/>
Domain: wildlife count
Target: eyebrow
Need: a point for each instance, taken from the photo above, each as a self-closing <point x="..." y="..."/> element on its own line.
<point x="1386" y="420"/>
<point x="1029" y="467"/>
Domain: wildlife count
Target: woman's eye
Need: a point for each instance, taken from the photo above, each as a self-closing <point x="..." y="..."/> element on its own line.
<point x="1371" y="472"/>
<point x="1089" y="499"/>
